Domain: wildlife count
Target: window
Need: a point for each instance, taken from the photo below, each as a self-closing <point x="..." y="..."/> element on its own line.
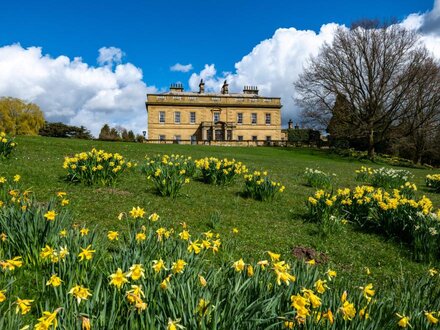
<point x="177" y="117"/>
<point x="216" y="116"/>
<point x="177" y="138"/>
<point x="240" y="118"/>
<point x="192" y="117"/>
<point x="268" y="138"/>
<point x="254" y="138"/>
<point x="268" y="118"/>
<point x="162" y="137"/>
<point x="240" y="138"/>
<point x="161" y="117"/>
<point x="254" y="118"/>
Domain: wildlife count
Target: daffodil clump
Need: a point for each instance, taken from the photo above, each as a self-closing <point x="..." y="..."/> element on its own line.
<point x="383" y="177"/>
<point x="96" y="167"/>
<point x="149" y="276"/>
<point x="433" y="182"/>
<point x="220" y="171"/>
<point x="260" y="186"/>
<point x="318" y="179"/>
<point x="169" y="173"/>
<point x="7" y="145"/>
<point x="412" y="221"/>
<point x="12" y="192"/>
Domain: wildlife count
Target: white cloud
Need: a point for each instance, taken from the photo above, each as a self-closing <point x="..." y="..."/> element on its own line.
<point x="109" y="56"/>
<point x="181" y="67"/>
<point x="73" y="92"/>
<point x="273" y="65"/>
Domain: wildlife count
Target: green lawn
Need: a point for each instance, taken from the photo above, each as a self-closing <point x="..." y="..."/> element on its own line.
<point x="278" y="226"/>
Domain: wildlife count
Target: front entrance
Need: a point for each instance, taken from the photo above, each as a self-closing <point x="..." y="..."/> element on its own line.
<point x="219" y="135"/>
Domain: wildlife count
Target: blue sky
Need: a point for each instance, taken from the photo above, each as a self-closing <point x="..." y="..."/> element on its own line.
<point x="49" y="49"/>
<point x="154" y="35"/>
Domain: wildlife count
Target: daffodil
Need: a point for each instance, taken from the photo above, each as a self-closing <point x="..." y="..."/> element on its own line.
<point x="112" y="235"/>
<point x="238" y="265"/>
<point x="136" y="271"/>
<point x="118" y="279"/>
<point x="50" y="215"/>
<point x="23" y="306"/>
<point x="86" y="253"/>
<point x="403" y="321"/>
<point x="158" y="265"/>
<point x="2" y="295"/>
<point x="80" y="293"/>
<point x="178" y="266"/>
<point x="54" y="281"/>
<point x="431" y="318"/>
<point x="202" y="281"/>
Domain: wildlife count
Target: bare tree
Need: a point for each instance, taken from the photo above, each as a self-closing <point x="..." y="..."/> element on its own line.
<point x="374" y="71"/>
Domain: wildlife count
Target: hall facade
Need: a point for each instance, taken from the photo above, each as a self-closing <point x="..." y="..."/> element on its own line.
<point x="194" y="117"/>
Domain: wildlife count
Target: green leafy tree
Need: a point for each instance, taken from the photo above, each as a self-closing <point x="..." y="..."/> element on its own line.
<point x="18" y="117"/>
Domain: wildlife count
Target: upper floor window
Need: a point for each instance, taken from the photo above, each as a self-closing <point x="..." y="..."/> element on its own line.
<point x="268" y="119"/>
<point x="192" y="117"/>
<point x="161" y="116"/>
<point x="177" y="117"/>
<point x="216" y="116"/>
<point x="254" y="118"/>
<point x="240" y="118"/>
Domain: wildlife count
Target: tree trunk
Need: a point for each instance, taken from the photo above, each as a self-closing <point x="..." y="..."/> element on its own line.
<point x="371" y="145"/>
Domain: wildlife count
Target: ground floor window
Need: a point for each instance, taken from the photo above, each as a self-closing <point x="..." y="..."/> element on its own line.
<point x="162" y="137"/>
<point x="268" y="138"/>
<point x="254" y="138"/>
<point x="240" y="138"/>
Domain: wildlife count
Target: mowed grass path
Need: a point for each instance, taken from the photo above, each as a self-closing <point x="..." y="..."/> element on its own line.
<point x="277" y="226"/>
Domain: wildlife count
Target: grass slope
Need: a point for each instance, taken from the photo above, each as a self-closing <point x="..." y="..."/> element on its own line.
<point x="278" y="226"/>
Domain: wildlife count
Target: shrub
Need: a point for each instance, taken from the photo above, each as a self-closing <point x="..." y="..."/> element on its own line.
<point x="96" y="167"/>
<point x="387" y="178"/>
<point x="169" y="173"/>
<point x="392" y="214"/>
<point x="317" y="178"/>
<point x="7" y="145"/>
<point x="433" y="182"/>
<point x="219" y="171"/>
<point x="260" y="187"/>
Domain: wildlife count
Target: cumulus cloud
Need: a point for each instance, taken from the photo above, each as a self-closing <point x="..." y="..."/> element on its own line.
<point x="108" y="56"/>
<point x="273" y="65"/>
<point x="74" y="92"/>
<point x="181" y="67"/>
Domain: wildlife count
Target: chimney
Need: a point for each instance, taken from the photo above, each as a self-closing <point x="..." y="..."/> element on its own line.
<point x="225" y="88"/>
<point x="201" y="87"/>
<point x="178" y="87"/>
<point x="253" y="90"/>
<point x="290" y="123"/>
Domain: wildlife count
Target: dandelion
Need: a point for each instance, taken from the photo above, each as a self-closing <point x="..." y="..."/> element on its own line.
<point x="17" y="178"/>
<point x="54" y="281"/>
<point x="235" y="230"/>
<point x="23" y="306"/>
<point x="80" y="293"/>
<point x="86" y="253"/>
<point x="118" y="279"/>
<point x="50" y="215"/>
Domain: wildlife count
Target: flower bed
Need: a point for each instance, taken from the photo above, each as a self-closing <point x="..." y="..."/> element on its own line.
<point x="7" y="145"/>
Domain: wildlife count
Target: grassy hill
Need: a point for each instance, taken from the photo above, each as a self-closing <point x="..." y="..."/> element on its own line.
<point x="278" y="226"/>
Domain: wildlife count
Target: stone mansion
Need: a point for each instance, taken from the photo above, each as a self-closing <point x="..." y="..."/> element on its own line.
<point x="199" y="117"/>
